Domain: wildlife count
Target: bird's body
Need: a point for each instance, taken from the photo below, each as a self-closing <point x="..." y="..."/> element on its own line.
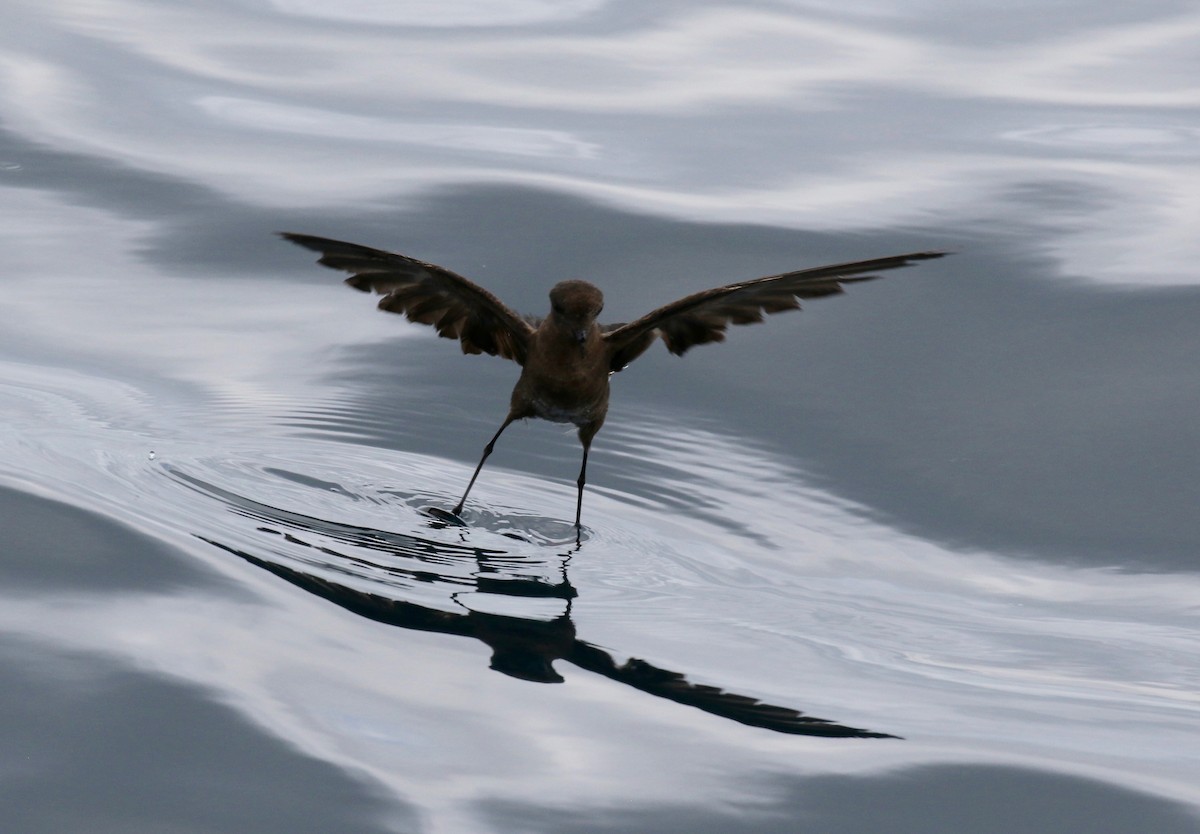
<point x="565" y="375"/>
<point x="567" y="358"/>
<point x="563" y="382"/>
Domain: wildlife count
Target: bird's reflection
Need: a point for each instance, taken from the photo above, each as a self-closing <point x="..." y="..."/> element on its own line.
<point x="314" y="554"/>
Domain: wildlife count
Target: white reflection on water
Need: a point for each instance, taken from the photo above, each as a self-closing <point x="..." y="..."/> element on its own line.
<point x="1116" y="139"/>
<point x="153" y="324"/>
<point x="452" y="13"/>
<point x="313" y="122"/>
<point x="1148" y="64"/>
<point x="713" y="113"/>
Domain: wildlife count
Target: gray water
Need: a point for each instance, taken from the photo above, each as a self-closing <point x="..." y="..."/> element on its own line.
<point x="957" y="506"/>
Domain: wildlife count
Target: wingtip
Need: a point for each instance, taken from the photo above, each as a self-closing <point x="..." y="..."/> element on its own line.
<point x="307" y="241"/>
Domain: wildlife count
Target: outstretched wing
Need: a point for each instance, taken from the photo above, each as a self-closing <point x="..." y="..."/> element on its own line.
<point x="704" y="316"/>
<point x="428" y="294"/>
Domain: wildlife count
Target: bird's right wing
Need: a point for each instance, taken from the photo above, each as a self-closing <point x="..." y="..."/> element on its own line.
<point x="428" y="294"/>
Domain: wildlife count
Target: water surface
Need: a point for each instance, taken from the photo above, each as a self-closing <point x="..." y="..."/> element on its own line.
<point x="919" y="557"/>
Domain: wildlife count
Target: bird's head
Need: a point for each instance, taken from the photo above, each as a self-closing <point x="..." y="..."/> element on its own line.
<point x="574" y="305"/>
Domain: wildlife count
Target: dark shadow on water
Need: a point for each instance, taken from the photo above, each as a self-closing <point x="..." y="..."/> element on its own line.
<point x="399" y="568"/>
<point x="54" y="547"/>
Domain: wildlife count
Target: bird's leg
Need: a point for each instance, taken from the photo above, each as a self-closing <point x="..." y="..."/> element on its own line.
<point x="582" y="480"/>
<point x="487" y="450"/>
<point x="586" y="433"/>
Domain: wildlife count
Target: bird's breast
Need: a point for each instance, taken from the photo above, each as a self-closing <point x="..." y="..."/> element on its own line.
<point x="562" y="397"/>
<point x="563" y="380"/>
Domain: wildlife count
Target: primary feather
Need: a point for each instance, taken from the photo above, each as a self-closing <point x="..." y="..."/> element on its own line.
<point x="704" y="316"/>
<point x="428" y="294"/>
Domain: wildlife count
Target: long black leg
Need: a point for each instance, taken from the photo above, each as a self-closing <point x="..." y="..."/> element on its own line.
<point x="487" y="450"/>
<point x="582" y="480"/>
<point x="586" y="433"/>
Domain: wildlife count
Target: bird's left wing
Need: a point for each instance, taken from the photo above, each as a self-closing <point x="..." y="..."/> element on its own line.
<point x="428" y="294"/>
<point x="704" y="316"/>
